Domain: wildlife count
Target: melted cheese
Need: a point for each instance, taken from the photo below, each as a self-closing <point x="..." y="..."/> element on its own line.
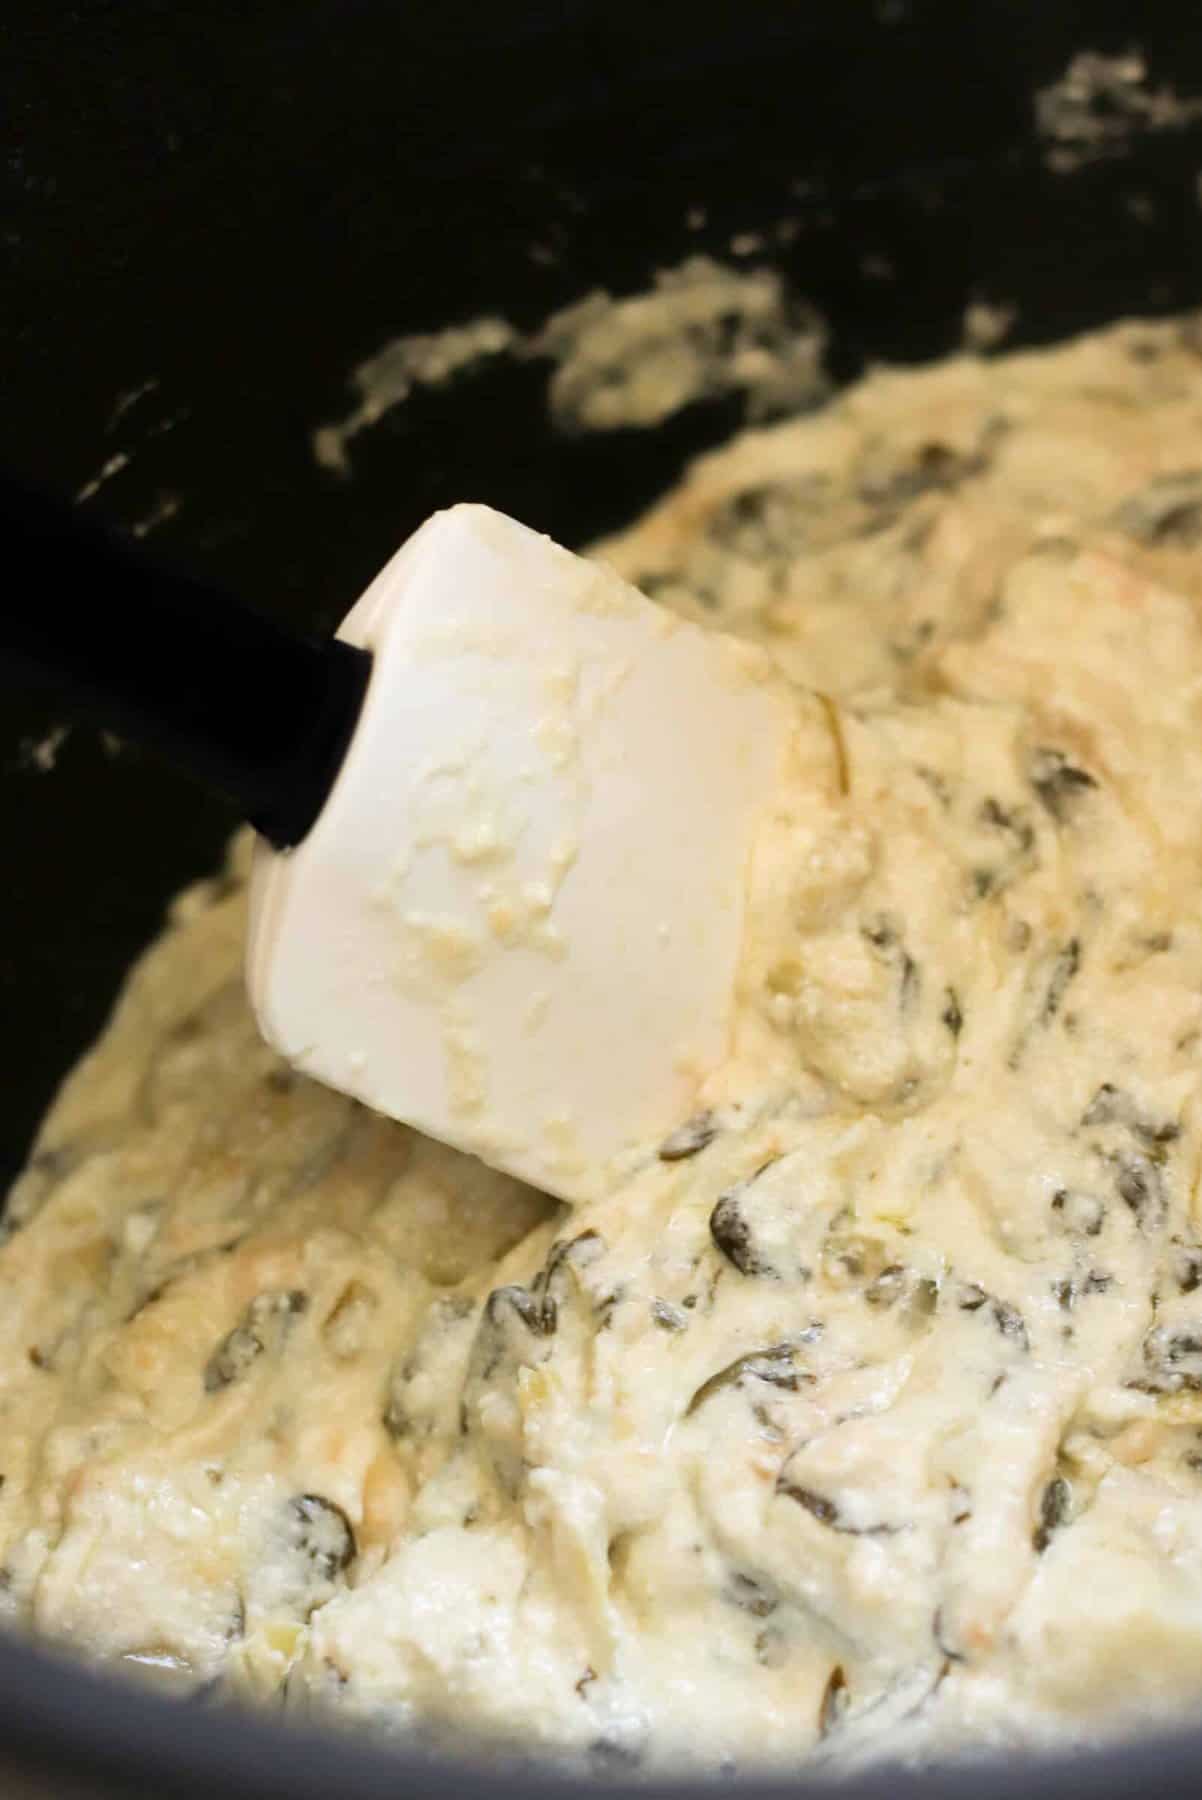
<point x="865" y="1417"/>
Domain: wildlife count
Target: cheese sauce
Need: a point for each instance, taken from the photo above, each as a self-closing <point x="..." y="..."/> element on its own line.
<point x="865" y="1418"/>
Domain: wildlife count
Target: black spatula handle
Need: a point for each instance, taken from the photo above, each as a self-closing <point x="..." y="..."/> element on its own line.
<point x="260" y="712"/>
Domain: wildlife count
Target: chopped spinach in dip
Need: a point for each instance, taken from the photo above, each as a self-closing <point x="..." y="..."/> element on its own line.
<point x="865" y="1417"/>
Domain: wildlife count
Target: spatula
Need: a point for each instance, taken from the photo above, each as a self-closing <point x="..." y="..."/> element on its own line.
<point x="505" y="818"/>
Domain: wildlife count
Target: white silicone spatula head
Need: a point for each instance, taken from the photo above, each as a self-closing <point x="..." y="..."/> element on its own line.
<point x="516" y="922"/>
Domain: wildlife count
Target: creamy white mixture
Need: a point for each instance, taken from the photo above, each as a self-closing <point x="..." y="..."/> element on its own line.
<point x="703" y="329"/>
<point x="867" y="1417"/>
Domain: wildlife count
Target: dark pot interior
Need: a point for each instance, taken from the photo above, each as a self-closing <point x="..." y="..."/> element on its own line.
<point x="238" y="205"/>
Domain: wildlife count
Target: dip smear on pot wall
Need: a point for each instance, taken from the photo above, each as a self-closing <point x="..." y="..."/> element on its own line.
<point x="867" y="1418"/>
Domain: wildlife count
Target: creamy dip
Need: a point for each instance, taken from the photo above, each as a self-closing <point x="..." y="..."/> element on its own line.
<point x="865" y="1417"/>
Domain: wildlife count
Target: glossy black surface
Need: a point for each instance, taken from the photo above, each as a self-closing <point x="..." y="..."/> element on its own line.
<point x="231" y="696"/>
<point x="238" y="204"/>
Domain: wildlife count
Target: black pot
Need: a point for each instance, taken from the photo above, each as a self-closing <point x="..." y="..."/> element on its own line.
<point x="236" y="205"/>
